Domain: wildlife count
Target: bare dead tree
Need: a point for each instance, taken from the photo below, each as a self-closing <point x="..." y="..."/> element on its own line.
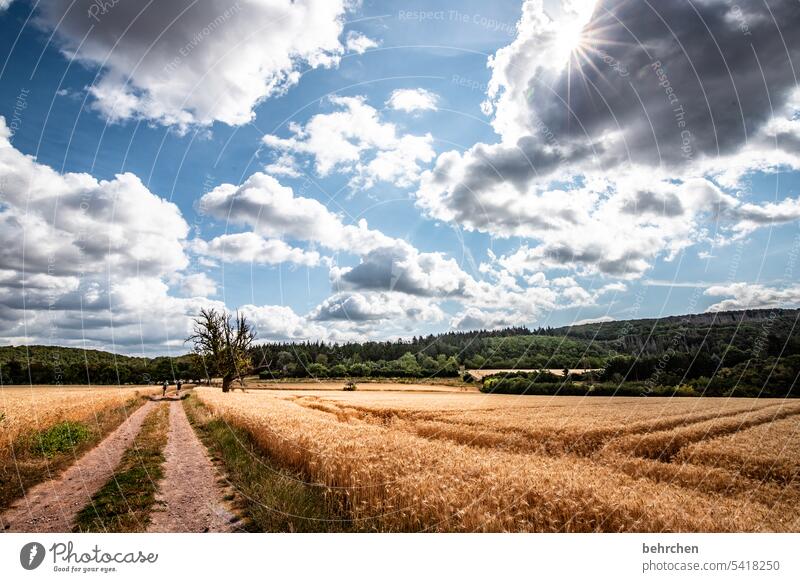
<point x="223" y="341"/>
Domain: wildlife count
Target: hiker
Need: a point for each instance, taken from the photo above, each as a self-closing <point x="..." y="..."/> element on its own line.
<point x="164" y="389"/>
<point x="178" y="386"/>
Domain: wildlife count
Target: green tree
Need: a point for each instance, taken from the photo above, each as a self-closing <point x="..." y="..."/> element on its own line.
<point x="317" y="371"/>
<point x="284" y="359"/>
<point x="358" y="369"/>
<point x="408" y="364"/>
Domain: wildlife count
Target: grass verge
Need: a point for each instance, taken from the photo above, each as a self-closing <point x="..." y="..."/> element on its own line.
<point x="124" y="503"/>
<point x="271" y="498"/>
<point x="41" y="455"/>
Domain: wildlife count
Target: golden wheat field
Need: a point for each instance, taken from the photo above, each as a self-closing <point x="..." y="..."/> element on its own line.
<point x="35" y="408"/>
<point x="396" y="461"/>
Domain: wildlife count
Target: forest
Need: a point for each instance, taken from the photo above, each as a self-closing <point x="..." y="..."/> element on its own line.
<point x="61" y="365"/>
<point x="753" y="351"/>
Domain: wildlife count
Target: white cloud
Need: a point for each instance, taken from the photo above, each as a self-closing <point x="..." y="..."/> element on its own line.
<point x="753" y="296"/>
<point x="578" y="296"/>
<point x="401" y="267"/>
<point x="86" y="261"/>
<point x="109" y="256"/>
<point x="473" y="318"/>
<point x="198" y="285"/>
<point x="601" y="319"/>
<point x="606" y="225"/>
<point x="564" y="282"/>
<point x="399" y="164"/>
<point x="505" y="298"/>
<point x="612" y="288"/>
<point x="284" y="165"/>
<point x="72" y="223"/>
<point x="183" y="62"/>
<point x="281" y="323"/>
<point x="346" y="316"/>
<point x="273" y="211"/>
<point x="354" y="140"/>
<point x="750" y="217"/>
<point x="357" y="308"/>
<point x="410" y="100"/>
<point x="358" y="43"/>
<point x="248" y="247"/>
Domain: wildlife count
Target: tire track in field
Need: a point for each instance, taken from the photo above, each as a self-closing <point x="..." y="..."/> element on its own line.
<point x="190" y="498"/>
<point x="52" y="506"/>
<point x="665" y="445"/>
<point x="553" y="441"/>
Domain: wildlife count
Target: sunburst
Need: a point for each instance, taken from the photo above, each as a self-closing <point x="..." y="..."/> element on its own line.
<point x="580" y="43"/>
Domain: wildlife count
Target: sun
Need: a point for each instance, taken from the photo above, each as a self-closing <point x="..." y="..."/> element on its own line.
<point x="570" y="29"/>
<point x="570" y="40"/>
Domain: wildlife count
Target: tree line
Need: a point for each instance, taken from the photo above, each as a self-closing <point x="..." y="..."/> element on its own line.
<point x="755" y="350"/>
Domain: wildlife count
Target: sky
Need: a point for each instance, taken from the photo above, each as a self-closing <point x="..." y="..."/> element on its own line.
<point x="340" y="170"/>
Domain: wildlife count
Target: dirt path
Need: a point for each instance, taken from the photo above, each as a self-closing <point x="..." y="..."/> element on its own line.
<point x="51" y="506"/>
<point x="191" y="499"/>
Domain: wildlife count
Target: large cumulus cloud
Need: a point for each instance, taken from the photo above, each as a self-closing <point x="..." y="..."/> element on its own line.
<point x="629" y="145"/>
<point x="184" y="62"/>
<point x="88" y="261"/>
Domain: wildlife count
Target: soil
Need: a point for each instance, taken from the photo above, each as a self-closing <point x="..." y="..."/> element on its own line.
<point x="52" y="506"/>
<point x="190" y="496"/>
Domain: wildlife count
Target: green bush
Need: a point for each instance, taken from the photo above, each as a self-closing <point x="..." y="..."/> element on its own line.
<point x="317" y="371"/>
<point x="338" y="371"/>
<point x="358" y="369"/>
<point x="60" y="438"/>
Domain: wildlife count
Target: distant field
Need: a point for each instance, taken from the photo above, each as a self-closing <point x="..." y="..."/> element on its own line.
<point x="362" y="386"/>
<point x="411" y="461"/>
<point x="483" y="372"/>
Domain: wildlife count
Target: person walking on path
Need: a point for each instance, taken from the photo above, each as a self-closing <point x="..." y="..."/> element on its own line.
<point x="164" y="389"/>
<point x="178" y="386"/>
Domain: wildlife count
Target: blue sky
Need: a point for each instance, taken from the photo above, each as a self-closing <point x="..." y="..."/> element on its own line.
<point x="504" y="170"/>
